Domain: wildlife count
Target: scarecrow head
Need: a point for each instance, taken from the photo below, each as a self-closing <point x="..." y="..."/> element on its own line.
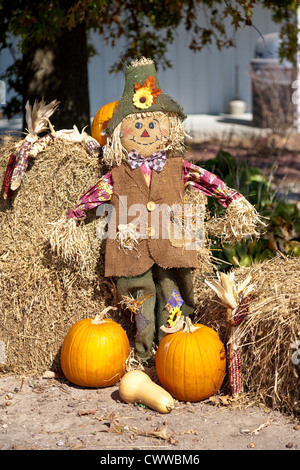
<point x="145" y="119"/>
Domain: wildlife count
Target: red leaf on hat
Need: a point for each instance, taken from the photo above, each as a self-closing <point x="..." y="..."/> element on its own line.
<point x="155" y="93"/>
<point x="150" y="82"/>
<point x="137" y="86"/>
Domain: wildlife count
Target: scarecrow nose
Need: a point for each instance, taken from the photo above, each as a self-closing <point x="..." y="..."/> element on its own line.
<point x="145" y="134"/>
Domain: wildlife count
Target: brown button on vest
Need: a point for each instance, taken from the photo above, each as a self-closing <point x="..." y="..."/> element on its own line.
<point x="133" y="200"/>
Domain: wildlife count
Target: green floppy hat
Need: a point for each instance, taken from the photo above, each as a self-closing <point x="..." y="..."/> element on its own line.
<point x="142" y="72"/>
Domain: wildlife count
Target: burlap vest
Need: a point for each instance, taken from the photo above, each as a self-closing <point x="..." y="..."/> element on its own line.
<point x="132" y="199"/>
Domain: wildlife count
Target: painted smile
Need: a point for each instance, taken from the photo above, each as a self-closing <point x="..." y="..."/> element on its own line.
<point x="141" y="143"/>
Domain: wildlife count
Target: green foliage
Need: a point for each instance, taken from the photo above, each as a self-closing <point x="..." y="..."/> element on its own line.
<point x="282" y="233"/>
<point x="239" y="175"/>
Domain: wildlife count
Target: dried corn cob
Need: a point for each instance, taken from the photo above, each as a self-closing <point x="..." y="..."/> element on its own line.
<point x="41" y="144"/>
<point x="236" y="298"/>
<point x="234" y="371"/>
<point x="91" y="145"/>
<point x="21" y="165"/>
<point x="28" y="148"/>
<point x="240" y="313"/>
<point x="7" y="192"/>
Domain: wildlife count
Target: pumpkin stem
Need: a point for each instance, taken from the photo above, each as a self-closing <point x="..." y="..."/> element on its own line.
<point x="189" y="327"/>
<point x="100" y="317"/>
<point x="178" y="326"/>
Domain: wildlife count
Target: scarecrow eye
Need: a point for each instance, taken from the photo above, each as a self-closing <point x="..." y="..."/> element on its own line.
<point x="152" y="125"/>
<point x="139" y="125"/>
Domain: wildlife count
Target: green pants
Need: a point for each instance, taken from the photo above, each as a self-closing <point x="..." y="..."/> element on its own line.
<point x="159" y="283"/>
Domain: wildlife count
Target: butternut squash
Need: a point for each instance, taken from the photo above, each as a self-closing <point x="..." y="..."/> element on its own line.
<point x="137" y="387"/>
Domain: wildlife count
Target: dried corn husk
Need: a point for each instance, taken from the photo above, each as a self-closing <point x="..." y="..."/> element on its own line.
<point x="38" y="117"/>
<point x="236" y="299"/>
<point x="38" y="120"/>
<point x="73" y="135"/>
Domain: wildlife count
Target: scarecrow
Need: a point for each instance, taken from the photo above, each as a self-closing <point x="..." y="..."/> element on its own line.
<point x="147" y="174"/>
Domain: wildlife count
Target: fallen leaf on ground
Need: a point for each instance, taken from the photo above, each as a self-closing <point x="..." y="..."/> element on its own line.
<point x="118" y="428"/>
<point x="86" y="412"/>
<point x="160" y="433"/>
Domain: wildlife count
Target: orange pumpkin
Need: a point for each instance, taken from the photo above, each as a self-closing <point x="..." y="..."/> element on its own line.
<point x="101" y="120"/>
<point x="191" y="363"/>
<point x="94" y="352"/>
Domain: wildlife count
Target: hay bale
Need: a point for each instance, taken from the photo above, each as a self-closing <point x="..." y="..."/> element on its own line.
<point x="269" y="335"/>
<point x="40" y="296"/>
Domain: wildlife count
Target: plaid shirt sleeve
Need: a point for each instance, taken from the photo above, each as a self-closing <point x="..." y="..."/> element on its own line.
<point x="98" y="194"/>
<point x="209" y="184"/>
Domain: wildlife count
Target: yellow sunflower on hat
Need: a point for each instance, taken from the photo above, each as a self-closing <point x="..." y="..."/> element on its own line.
<point x="145" y="94"/>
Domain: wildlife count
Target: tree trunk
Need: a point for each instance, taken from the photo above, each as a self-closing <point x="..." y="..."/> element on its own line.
<point x="59" y="71"/>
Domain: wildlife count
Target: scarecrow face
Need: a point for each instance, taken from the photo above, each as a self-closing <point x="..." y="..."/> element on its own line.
<point x="145" y="134"/>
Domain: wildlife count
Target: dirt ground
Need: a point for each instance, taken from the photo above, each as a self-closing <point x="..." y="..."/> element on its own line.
<point x="49" y="413"/>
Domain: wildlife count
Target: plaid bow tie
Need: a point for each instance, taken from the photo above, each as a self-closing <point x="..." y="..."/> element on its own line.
<point x="155" y="161"/>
